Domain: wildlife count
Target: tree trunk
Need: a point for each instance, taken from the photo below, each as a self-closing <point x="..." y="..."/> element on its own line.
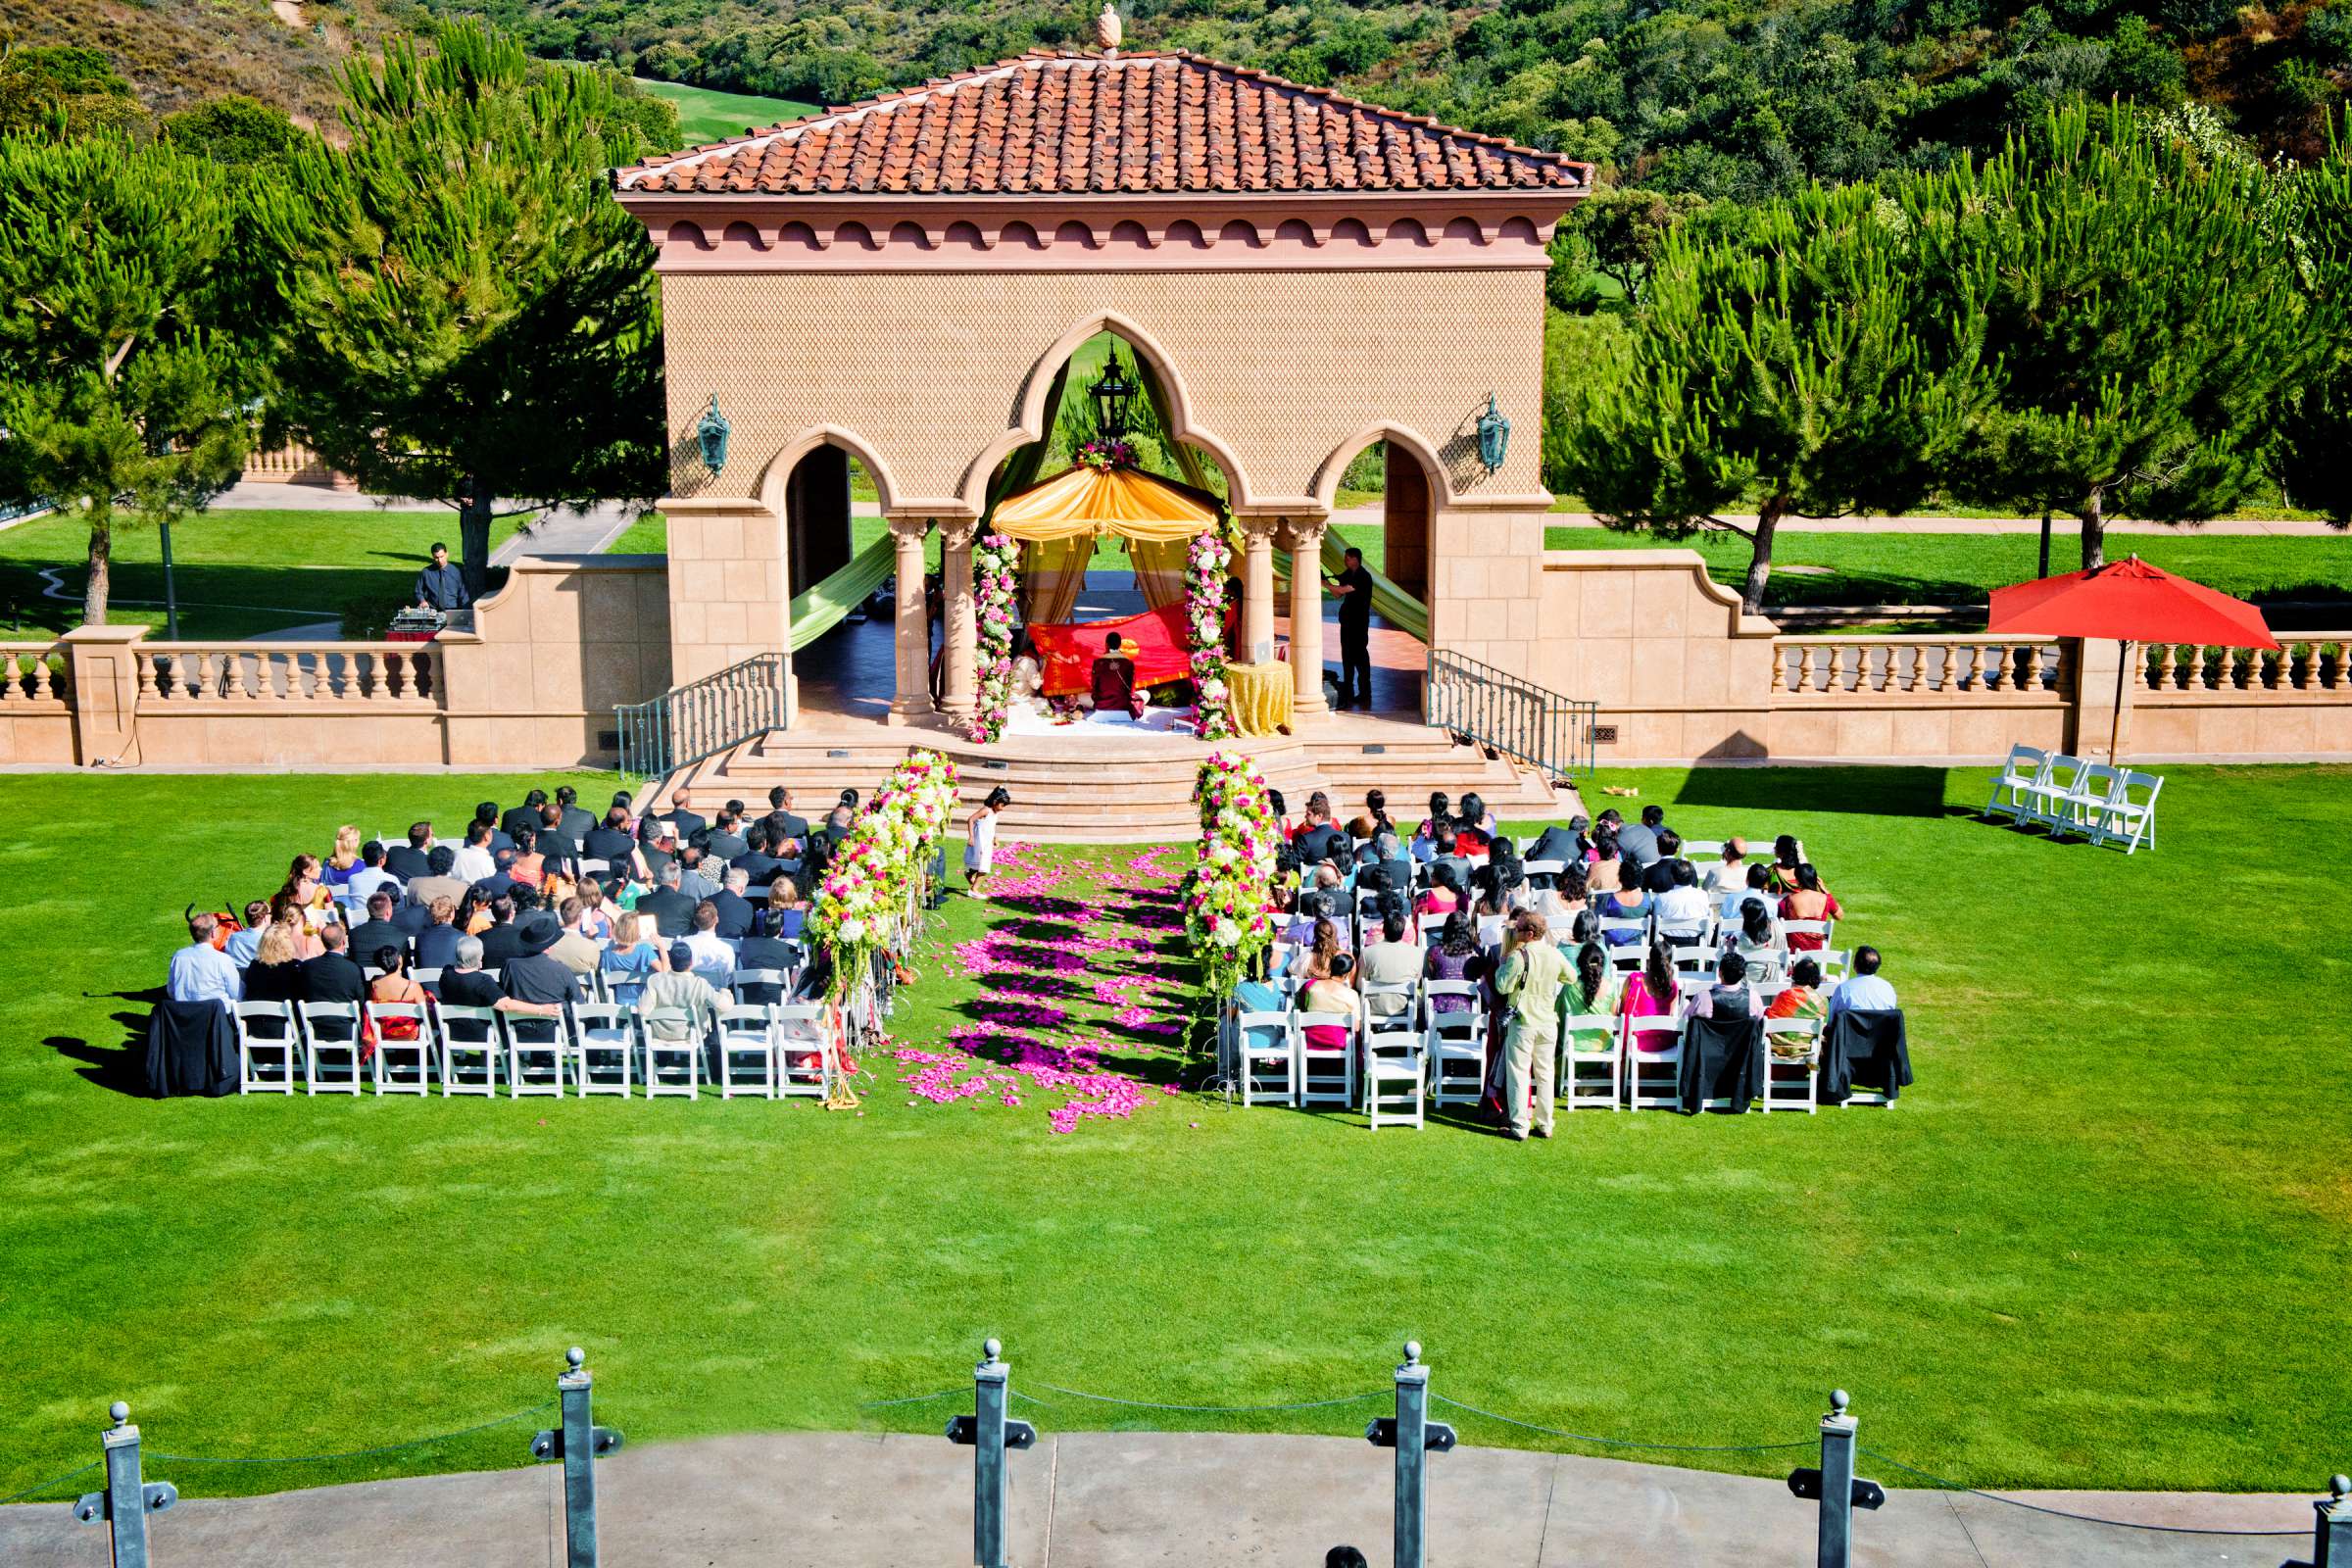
<point x="1759" y="565"/>
<point x="2094" y="531"/>
<point x="474" y="538"/>
<point x="102" y="551"/>
<point x="2045" y="544"/>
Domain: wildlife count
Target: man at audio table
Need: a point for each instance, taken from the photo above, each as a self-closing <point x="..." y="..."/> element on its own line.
<point x="442" y="586"/>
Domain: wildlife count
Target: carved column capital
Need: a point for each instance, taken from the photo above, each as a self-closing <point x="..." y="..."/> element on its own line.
<point x="903" y="529"/>
<point x="957" y="533"/>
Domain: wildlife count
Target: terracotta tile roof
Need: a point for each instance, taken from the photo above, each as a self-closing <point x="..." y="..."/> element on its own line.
<point x="1080" y="123"/>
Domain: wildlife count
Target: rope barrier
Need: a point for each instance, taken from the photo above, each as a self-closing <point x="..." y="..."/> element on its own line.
<point x="912" y="1399"/>
<point x="53" y="1481"/>
<point x="1214" y="1409"/>
<point x="356" y="1454"/>
<point x="1618" y="1443"/>
<point x="2061" y="1513"/>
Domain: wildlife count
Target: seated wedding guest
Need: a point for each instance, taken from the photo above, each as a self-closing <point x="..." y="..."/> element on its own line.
<point x="697" y="880"/>
<point x="473" y="913"/>
<point x="1332" y="993"/>
<point x="500" y="883"/>
<point x="503" y="941"/>
<point x="767" y="953"/>
<point x="551" y="840"/>
<point x="734" y="908"/>
<point x="1649" y="994"/>
<point x="370" y="877"/>
<point x="1376" y="806"/>
<point x="524" y="815"/>
<point x="287" y="915"/>
<point x="1111" y="683"/>
<point x="440" y="880"/>
<point x="1473" y="825"/>
<point x="242" y="944"/>
<point x="677" y="990"/>
<point x="712" y="950"/>
<point x="1626" y="904"/>
<point x="1444" y="852"/>
<point x="628" y="961"/>
<point x="413" y="860"/>
<point x="333" y="976"/>
<point x="275" y="973"/>
<point x="1313" y="961"/>
<point x="1659" y="874"/>
<point x="1863" y="990"/>
<point x="837" y="828"/>
<point x="1638" y="842"/>
<point x="672" y="912"/>
<point x="310" y="895"/>
<point x="529" y="866"/>
<point x="1566" y="899"/>
<point x="345" y="861"/>
<point x="394" y="987"/>
<point x="726" y="843"/>
<point x="779" y="806"/>
<point x="1683" y="909"/>
<point x="1491" y="897"/>
<point x="1320" y="839"/>
<point x="1591" y="987"/>
<point x="1786" y="856"/>
<point x="612" y="843"/>
<point x="596" y="916"/>
<point x="1305" y="909"/>
<point x="785" y="914"/>
<point x="1565" y="844"/>
<point x="473" y="862"/>
<point x="201" y="972"/>
<point x="575" y="950"/>
<point x="758" y="865"/>
<point x="1729" y="875"/>
<point x="1608" y="870"/>
<point x="464" y="984"/>
<point x="1803" y="998"/>
<point x="534" y="978"/>
<point x="497" y="838"/>
<point x="1389" y="854"/>
<point x="575" y="819"/>
<point x="1454" y="956"/>
<point x="1729" y="997"/>
<point x="437" y="945"/>
<point x="378" y="930"/>
<point x="1392" y="960"/>
<point x="1734" y="902"/>
<point x="1444" y="893"/>
<point x="680" y="816"/>
<point x="1808" y="902"/>
<point x="1758" y="939"/>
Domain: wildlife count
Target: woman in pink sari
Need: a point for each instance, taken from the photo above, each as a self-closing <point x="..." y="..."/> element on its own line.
<point x="1649" y="994"/>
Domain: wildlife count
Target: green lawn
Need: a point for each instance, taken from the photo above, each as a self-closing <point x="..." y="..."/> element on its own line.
<point x="237" y="573"/>
<point x="2103" y="1241"/>
<point x="706" y="114"/>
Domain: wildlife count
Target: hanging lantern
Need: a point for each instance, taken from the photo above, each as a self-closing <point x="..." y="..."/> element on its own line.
<point x="711" y="431"/>
<point x="1494" y="436"/>
<point x="1110" y="392"/>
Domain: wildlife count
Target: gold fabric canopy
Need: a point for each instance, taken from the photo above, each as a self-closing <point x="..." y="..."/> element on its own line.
<point x="1084" y="503"/>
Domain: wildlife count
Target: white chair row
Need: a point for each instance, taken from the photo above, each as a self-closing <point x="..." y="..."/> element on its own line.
<point x="1606" y="1062"/>
<point x="774" y="1050"/>
<point x="2069" y="794"/>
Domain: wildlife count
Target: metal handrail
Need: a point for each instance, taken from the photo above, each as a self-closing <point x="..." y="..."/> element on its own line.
<point x="1546" y="731"/>
<point x="703" y="718"/>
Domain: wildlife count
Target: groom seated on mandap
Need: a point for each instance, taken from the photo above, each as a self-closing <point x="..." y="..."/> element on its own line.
<point x="1113" y="682"/>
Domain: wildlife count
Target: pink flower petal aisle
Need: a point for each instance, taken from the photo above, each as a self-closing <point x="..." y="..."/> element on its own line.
<point x="1081" y="968"/>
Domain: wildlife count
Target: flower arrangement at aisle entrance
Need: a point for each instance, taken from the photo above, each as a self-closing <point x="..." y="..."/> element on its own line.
<point x="1106" y="452"/>
<point x="1206" y="565"/>
<point x="866" y="902"/>
<point x="996" y="581"/>
<point x="1228" y="896"/>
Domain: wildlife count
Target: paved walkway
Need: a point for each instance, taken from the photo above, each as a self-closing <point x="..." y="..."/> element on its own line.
<point x="2062" y="527"/>
<point x="1126" y="1499"/>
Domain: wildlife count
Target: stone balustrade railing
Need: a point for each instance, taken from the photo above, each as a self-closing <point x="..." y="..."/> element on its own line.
<point x="33" y="672"/>
<point x="282" y="672"/>
<point x="1991" y="668"/>
<point x="2310" y="661"/>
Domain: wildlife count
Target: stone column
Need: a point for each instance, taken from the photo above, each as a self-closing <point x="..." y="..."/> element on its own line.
<point x="911" y="625"/>
<point x="957" y="693"/>
<point x="1306" y="615"/>
<point x="1257" y="589"/>
<point x="102" y="676"/>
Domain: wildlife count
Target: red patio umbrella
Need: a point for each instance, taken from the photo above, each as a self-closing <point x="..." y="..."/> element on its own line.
<point x="2132" y="602"/>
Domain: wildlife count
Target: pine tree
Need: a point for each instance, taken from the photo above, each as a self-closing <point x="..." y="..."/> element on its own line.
<point x="467" y="314"/>
<point x="1798" y="364"/>
<point x="121" y="394"/>
<point x="2315" y="448"/>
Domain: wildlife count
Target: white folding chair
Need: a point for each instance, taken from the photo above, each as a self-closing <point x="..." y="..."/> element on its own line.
<point x="2027" y="767"/>
<point x="330" y="1031"/>
<point x="536" y="1045"/>
<point x="1790" y="1080"/>
<point x="471" y="1050"/>
<point x="265" y="1031"/>
<point x="1693" y="957"/>
<point x="1396" y="1072"/>
<point x="1429" y="925"/>
<point x="1835" y="964"/>
<point x="1324" y="1089"/>
<point x="2046" y="798"/>
<point x="747" y="1053"/>
<point x="2083" y="812"/>
<point x="803" y="1050"/>
<point x="402" y="1067"/>
<point x="1263" y="1043"/>
<point x="740" y="979"/>
<point x="1537" y="869"/>
<point x="604" y="1048"/>
<point x="1591" y="1070"/>
<point x="672" y="1045"/>
<point x="2128" y="817"/>
<point x="1653" y="1063"/>
<point x="1698" y="850"/>
<point x="1824" y="929"/>
<point x="1406" y="995"/>
<point x="429" y="978"/>
<point x="1625" y="956"/>
<point x="590" y="866"/>
<point x="1456" y="1040"/>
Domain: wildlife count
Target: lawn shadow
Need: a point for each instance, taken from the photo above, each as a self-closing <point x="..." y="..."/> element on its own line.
<point x="1860" y="791"/>
<point x="122" y="1067"/>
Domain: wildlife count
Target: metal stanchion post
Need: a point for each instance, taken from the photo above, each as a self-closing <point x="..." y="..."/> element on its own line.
<point x="1414" y="1436"/>
<point x="988" y="1434"/>
<point x="2331" y="1530"/>
<point x="1833" y="1486"/>
<point x="127" y="1500"/>
<point x="579" y="1443"/>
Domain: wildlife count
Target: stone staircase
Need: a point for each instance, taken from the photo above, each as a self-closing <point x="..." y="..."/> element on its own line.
<point x="1071" y="787"/>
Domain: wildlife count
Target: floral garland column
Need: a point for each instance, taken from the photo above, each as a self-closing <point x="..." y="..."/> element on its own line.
<point x="996" y="584"/>
<point x="1207" y="564"/>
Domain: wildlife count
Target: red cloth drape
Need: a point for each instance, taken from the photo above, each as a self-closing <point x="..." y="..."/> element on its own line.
<point x="1157" y="638"/>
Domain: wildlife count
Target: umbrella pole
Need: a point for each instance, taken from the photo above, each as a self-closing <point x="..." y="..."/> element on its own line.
<point x="2115" y="730"/>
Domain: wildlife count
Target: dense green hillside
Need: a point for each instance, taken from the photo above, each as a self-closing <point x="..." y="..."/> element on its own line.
<point x="706" y="114"/>
<point x="1720" y="97"/>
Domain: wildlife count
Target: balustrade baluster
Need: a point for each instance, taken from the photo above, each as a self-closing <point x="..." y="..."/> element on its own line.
<point x="2307" y="678"/>
<point x="370" y="671"/>
<point x="16" y="682"/>
<point x="2228" y="666"/>
<point x="2334" y="680"/>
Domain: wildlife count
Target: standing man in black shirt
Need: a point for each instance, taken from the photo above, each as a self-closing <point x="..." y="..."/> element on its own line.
<point x="442" y="586"/>
<point x="1352" y="588"/>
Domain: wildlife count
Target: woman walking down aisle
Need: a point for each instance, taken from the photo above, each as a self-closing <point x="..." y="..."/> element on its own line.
<point x="980" y="841"/>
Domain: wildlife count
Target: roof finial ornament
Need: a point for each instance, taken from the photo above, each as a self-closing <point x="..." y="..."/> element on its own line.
<point x="1108" y="30"/>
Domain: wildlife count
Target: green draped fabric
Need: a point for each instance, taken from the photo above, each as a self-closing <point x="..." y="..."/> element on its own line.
<point x="1395" y="607"/>
<point x="827" y="602"/>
